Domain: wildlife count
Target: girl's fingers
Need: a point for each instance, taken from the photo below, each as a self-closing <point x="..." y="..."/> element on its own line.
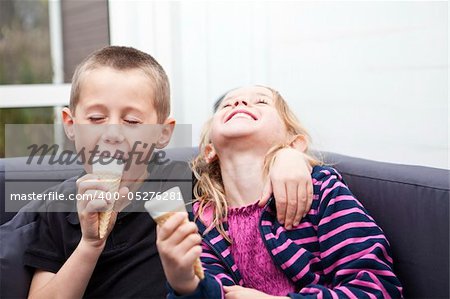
<point x="232" y="289"/>
<point x="267" y="191"/>
<point x="292" y="203"/>
<point x="309" y="197"/>
<point x="192" y="255"/>
<point x="301" y="204"/>
<point x="183" y="232"/>
<point x="279" y="192"/>
<point x="194" y="239"/>
<point x="168" y="228"/>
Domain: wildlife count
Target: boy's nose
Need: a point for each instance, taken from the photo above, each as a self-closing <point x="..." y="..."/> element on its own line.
<point x="113" y="134"/>
<point x="243" y="102"/>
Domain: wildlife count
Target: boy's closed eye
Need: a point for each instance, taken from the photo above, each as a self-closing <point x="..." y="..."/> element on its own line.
<point x="96" y="119"/>
<point x="132" y="121"/>
<point x="100" y="119"/>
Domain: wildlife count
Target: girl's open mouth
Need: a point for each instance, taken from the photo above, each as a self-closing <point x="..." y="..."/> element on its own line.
<point x="241" y="113"/>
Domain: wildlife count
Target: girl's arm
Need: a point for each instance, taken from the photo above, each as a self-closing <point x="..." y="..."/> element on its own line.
<point x="354" y="252"/>
<point x="216" y="277"/>
<point x="179" y="244"/>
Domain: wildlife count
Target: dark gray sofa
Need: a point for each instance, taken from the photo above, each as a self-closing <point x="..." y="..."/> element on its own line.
<point x="410" y="203"/>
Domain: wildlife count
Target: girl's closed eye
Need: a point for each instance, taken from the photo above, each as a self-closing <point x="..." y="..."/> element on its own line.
<point x="261" y="101"/>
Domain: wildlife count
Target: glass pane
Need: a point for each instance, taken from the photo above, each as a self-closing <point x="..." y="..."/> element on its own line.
<point x="22" y="116"/>
<point x="25" y="57"/>
<point x="25" y="42"/>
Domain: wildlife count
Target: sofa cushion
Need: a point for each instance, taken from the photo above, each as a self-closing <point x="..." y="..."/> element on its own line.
<point x="19" y="176"/>
<point x="411" y="205"/>
<point x="15" y="236"/>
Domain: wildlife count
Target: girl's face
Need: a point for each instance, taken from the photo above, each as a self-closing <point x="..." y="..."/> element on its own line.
<point x="248" y="114"/>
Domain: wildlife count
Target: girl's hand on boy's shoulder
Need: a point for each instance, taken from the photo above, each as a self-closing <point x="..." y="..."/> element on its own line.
<point x="238" y="292"/>
<point x="291" y="184"/>
<point x="89" y="207"/>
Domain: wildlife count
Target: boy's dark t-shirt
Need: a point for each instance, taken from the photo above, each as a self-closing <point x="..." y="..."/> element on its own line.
<point x="129" y="265"/>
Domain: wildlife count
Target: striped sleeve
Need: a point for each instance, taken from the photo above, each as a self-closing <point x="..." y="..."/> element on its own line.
<point x="216" y="276"/>
<point x="354" y="252"/>
<point x="214" y="266"/>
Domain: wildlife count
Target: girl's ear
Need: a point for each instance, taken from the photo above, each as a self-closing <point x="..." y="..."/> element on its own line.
<point x="166" y="133"/>
<point x="299" y="143"/>
<point x="68" y="123"/>
<point x="210" y="153"/>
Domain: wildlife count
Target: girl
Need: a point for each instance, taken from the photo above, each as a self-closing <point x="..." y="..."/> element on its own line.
<point x="337" y="251"/>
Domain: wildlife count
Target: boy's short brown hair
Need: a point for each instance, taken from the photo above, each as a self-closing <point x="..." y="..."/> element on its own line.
<point x="126" y="58"/>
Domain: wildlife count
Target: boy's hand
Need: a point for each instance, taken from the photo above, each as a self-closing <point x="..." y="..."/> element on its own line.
<point x="291" y="184"/>
<point x="238" y="292"/>
<point x="178" y="245"/>
<point x="88" y="209"/>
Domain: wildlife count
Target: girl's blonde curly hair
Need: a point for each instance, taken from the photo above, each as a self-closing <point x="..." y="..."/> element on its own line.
<point x="209" y="190"/>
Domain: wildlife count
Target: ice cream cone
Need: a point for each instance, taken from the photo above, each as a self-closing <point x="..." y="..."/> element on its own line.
<point x="110" y="176"/>
<point x="162" y="210"/>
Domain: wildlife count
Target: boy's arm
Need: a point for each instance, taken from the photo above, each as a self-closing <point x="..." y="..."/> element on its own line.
<point x="71" y="280"/>
<point x="354" y="251"/>
<point x="291" y="184"/>
<point x="73" y="277"/>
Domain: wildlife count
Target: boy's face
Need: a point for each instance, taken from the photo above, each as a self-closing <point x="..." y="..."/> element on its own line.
<point x="115" y="114"/>
<point x="109" y="96"/>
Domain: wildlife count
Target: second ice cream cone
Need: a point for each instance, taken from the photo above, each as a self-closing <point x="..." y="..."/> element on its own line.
<point x="198" y="269"/>
<point x="161" y="210"/>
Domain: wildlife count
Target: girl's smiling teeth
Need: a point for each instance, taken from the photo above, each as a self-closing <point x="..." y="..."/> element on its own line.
<point x="241" y="114"/>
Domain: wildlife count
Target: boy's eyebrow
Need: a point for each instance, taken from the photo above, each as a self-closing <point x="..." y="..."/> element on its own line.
<point x="95" y="105"/>
<point x="134" y="109"/>
<point x="126" y="109"/>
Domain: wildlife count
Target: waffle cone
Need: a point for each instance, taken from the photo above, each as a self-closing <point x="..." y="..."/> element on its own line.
<point x="112" y="182"/>
<point x="198" y="269"/>
<point x="103" y="223"/>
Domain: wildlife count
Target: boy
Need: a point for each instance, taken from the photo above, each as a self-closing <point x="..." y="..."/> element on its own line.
<point x="127" y="92"/>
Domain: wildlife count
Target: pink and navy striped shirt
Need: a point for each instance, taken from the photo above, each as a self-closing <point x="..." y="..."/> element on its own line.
<point x="337" y="250"/>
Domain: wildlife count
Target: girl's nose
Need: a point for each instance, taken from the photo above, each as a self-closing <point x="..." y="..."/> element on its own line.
<point x="240" y="101"/>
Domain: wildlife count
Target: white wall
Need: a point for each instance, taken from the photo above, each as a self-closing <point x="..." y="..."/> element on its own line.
<point x="369" y="79"/>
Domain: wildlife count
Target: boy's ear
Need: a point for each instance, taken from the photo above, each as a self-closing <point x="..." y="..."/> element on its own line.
<point x="299" y="143"/>
<point x="68" y="123"/>
<point x="210" y="153"/>
<point x="166" y="133"/>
